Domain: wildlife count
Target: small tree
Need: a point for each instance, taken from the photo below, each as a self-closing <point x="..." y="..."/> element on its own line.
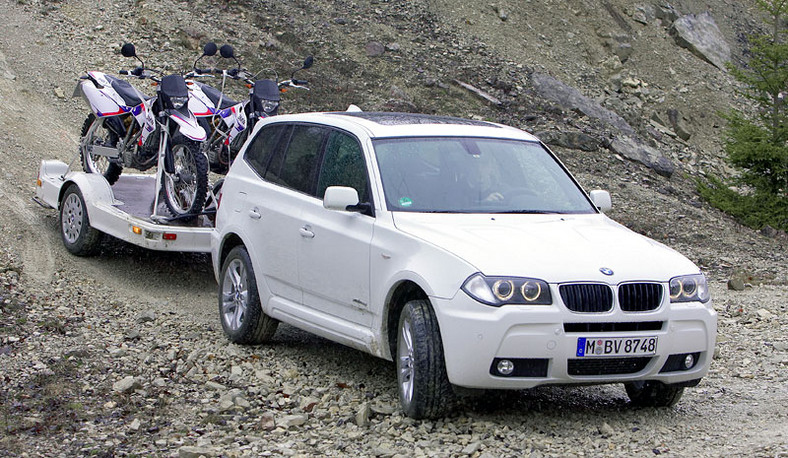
<point x="758" y="145"/>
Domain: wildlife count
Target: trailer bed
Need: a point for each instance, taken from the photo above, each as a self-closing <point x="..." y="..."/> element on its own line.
<point x="125" y="209"/>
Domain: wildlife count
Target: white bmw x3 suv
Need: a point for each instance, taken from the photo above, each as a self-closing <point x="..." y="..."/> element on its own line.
<point x="462" y="250"/>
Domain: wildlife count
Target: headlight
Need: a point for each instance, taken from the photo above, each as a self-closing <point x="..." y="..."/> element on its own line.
<point x="689" y="288"/>
<point x="178" y="102"/>
<point x="270" y="105"/>
<point x="498" y="291"/>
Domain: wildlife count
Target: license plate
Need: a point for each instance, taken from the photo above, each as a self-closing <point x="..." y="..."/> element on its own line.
<point x="616" y="346"/>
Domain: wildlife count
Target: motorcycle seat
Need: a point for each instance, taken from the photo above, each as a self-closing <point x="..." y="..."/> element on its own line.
<point x="125" y="90"/>
<point x="214" y="94"/>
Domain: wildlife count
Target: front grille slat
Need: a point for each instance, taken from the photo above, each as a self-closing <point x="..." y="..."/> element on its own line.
<point x="613" y="327"/>
<point x="587" y="297"/>
<point x="639" y="297"/>
<point x="607" y="366"/>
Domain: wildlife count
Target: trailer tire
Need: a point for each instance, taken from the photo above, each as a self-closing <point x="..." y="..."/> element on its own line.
<point x="240" y="312"/>
<point x="78" y="236"/>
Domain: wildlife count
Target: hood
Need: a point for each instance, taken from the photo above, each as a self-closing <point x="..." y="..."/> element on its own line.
<point x="554" y="248"/>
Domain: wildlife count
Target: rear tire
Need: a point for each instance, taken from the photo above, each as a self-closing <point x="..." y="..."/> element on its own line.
<point x="185" y="190"/>
<point x="242" y="317"/>
<point x="94" y="133"/>
<point x="651" y="393"/>
<point x="423" y="386"/>
<point x="75" y="230"/>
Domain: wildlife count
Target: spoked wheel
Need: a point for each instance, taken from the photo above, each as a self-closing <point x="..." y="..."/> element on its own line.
<point x="424" y="388"/>
<point x="75" y="230"/>
<point x="95" y="133"/>
<point x="242" y="317"/>
<point x="185" y="189"/>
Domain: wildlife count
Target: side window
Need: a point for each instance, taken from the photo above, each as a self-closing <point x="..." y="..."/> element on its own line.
<point x="343" y="165"/>
<point x="295" y="168"/>
<point x="262" y="148"/>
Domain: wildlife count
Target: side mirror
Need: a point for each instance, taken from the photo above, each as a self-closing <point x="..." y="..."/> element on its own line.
<point x="340" y="198"/>
<point x="127" y="50"/>
<point x="227" y="52"/>
<point x="601" y="200"/>
<point x="209" y="49"/>
<point x="308" y="62"/>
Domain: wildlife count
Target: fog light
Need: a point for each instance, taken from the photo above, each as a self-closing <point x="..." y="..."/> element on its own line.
<point x="689" y="361"/>
<point x="505" y="367"/>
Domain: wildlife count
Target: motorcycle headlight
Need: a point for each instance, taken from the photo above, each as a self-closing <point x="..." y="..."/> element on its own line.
<point x="497" y="291"/>
<point x="270" y="106"/>
<point x="179" y="101"/>
<point x="689" y="288"/>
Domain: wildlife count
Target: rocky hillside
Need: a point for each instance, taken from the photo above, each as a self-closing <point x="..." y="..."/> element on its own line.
<point x="628" y="92"/>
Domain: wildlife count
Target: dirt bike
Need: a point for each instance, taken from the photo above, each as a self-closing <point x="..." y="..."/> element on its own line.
<point x="128" y="129"/>
<point x="227" y="121"/>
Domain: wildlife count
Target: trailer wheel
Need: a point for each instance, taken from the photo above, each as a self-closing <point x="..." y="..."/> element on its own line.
<point x="242" y="317"/>
<point x="75" y="230"/>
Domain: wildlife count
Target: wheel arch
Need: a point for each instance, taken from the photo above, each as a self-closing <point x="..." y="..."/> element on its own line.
<point x="230" y="241"/>
<point x="399" y="295"/>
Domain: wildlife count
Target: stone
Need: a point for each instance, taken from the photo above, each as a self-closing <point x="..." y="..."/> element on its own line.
<point x="623" y="51"/>
<point x="736" y="284"/>
<point x="700" y="34"/>
<point x="196" y="452"/>
<point x="571" y="99"/>
<point x="606" y="430"/>
<point x="472" y="448"/>
<point x="135" y="424"/>
<point x="289" y="421"/>
<point x="215" y="386"/>
<point x="374" y="49"/>
<point x="267" y="422"/>
<point x="146" y="316"/>
<point x="635" y="150"/>
<point x="126" y="384"/>
<point x="570" y="139"/>
<point x="363" y="414"/>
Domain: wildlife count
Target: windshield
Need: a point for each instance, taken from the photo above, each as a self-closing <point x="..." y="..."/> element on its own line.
<point x="475" y="175"/>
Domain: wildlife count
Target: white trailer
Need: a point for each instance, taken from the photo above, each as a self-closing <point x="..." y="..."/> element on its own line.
<point x="89" y="207"/>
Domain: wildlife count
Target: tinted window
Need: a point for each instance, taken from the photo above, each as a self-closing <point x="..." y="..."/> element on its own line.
<point x="343" y="165"/>
<point x="262" y="148"/>
<point x="295" y="166"/>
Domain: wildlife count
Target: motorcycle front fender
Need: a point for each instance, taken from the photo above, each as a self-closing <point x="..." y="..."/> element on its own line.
<point x="188" y="125"/>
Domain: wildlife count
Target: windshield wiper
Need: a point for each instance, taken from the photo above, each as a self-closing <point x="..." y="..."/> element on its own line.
<point x="530" y="212"/>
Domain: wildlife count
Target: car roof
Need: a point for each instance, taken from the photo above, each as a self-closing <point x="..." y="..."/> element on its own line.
<point x="393" y="124"/>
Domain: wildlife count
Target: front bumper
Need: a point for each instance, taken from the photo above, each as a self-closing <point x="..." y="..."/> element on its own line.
<point x="543" y="341"/>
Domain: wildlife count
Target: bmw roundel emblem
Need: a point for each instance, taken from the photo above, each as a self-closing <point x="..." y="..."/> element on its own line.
<point x="606" y="271"/>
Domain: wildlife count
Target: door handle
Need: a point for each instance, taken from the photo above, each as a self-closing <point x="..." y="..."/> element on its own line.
<point x="254" y="214"/>
<point x="306" y="232"/>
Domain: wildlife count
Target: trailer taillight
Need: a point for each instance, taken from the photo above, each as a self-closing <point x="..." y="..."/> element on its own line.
<point x="169" y="236"/>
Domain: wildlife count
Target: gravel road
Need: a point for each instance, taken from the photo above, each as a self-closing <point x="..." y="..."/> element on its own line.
<point x="123" y="354"/>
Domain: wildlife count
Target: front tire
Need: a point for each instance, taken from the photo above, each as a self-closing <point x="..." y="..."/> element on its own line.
<point x="94" y="133"/>
<point x="186" y="188"/>
<point x="651" y="393"/>
<point x="75" y="230"/>
<point x="423" y="386"/>
<point x="242" y="317"/>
